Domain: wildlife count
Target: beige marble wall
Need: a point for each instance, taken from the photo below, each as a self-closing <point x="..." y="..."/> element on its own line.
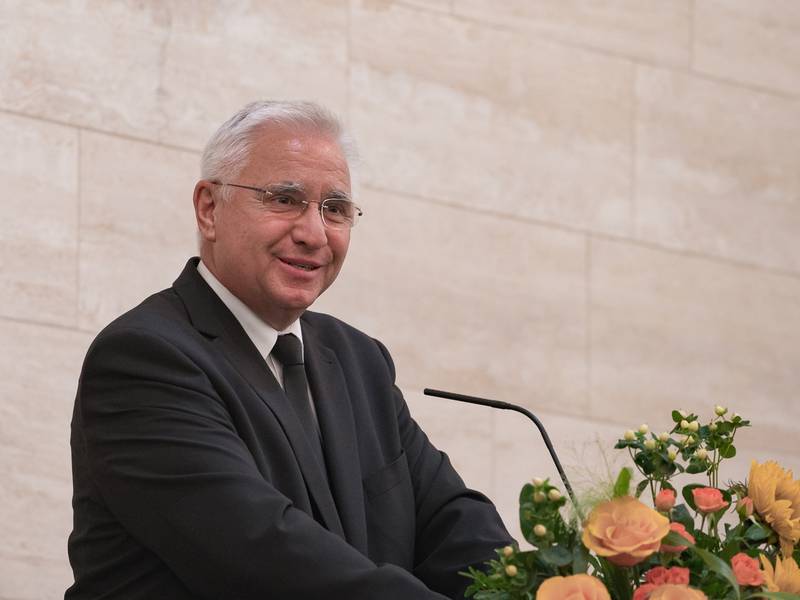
<point x="587" y="208"/>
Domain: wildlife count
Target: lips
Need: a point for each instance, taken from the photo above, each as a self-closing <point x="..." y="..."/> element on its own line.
<point x="304" y="265"/>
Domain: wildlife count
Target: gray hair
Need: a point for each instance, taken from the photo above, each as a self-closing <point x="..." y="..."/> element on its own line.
<point x="227" y="151"/>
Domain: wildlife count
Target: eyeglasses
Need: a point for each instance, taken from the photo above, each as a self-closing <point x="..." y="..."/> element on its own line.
<point x="336" y="213"/>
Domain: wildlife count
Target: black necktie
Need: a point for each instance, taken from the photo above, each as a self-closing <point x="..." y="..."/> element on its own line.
<point x="290" y="354"/>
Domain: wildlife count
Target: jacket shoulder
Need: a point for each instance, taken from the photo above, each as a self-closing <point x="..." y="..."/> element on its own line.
<point x="346" y="339"/>
<point x="327" y="324"/>
<point x="162" y="313"/>
<point x="331" y="330"/>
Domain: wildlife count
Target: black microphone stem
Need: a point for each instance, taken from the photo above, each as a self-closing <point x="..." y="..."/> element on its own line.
<point x="527" y="413"/>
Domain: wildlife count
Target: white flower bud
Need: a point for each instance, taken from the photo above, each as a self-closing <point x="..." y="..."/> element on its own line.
<point x="629" y="435"/>
<point x="539" y="497"/>
<point x="663" y="436"/>
<point x="538" y="481"/>
<point x="720" y="410"/>
<point x="684" y="424"/>
<point x="701" y="454"/>
<point x="712" y="426"/>
<point x="643" y="428"/>
<point x="694" y="426"/>
<point x="540" y="530"/>
<point x="672" y="454"/>
<point x="508" y="551"/>
<point x="554" y="495"/>
<point x="650" y="444"/>
<point x="511" y="570"/>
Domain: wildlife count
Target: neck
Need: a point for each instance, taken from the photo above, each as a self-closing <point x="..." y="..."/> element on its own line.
<point x="279" y="320"/>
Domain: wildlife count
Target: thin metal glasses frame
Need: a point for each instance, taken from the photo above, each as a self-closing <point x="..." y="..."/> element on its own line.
<point x="357" y="212"/>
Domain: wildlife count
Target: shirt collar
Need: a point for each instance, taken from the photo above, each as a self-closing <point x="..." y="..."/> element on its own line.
<point x="262" y="335"/>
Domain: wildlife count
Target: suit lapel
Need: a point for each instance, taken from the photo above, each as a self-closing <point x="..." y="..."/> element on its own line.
<point x="212" y="318"/>
<point x="337" y="424"/>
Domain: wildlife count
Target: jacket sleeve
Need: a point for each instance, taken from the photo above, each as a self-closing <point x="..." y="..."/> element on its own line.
<point x="165" y="458"/>
<point x="456" y="527"/>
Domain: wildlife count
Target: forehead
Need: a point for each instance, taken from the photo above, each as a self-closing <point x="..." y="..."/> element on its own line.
<point x="296" y="154"/>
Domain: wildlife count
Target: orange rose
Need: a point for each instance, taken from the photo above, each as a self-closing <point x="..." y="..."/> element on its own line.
<point x="680" y="530"/>
<point x="624" y="530"/>
<point x="747" y="570"/>
<point x="574" y="587"/>
<point x="661" y="575"/>
<point x="708" y="500"/>
<point x="665" y="500"/>
<point x="677" y="592"/>
<point x="643" y="591"/>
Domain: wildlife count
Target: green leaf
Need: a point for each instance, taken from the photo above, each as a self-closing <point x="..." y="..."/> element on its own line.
<point x="628" y="444"/>
<point x="673" y="538"/>
<point x="595" y="563"/>
<point x="756" y="532"/>
<point x="493" y="595"/>
<point x="580" y="559"/>
<point x="616" y="579"/>
<point x="697" y="466"/>
<point x="676" y="416"/>
<point x="727" y="450"/>
<point x="526" y="493"/>
<point x="718" y="566"/>
<point x="724" y="428"/>
<point x="622" y="486"/>
<point x="687" y="494"/>
<point x="557" y="556"/>
<point x="783" y="595"/>
<point x="681" y="515"/>
<point x="527" y="510"/>
<point x="641" y="487"/>
<point x="645" y="462"/>
<point x="663" y="467"/>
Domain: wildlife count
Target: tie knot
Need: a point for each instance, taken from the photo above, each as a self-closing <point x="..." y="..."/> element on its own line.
<point x="288" y="350"/>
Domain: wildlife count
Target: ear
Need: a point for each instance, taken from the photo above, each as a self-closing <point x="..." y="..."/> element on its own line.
<point x="204" y="210"/>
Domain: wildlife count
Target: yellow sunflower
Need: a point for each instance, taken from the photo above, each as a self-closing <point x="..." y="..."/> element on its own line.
<point x="785" y="577"/>
<point x="776" y="498"/>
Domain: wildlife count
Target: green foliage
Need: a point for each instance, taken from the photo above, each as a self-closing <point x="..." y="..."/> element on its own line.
<point x="756" y="533"/>
<point x="541" y="505"/>
<point x="617" y="580"/>
<point x="641" y="486"/>
<point x="556" y="556"/>
<point x="688" y="496"/>
<point x="622" y="486"/>
<point x="719" y="567"/>
<point x="680" y="514"/>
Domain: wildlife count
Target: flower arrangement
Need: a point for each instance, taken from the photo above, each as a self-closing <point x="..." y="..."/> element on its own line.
<point x="731" y="542"/>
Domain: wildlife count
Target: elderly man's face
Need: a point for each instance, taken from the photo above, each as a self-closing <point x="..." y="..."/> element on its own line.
<point x="276" y="265"/>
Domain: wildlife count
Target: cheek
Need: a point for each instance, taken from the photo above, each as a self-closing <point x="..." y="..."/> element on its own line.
<point x="339" y="246"/>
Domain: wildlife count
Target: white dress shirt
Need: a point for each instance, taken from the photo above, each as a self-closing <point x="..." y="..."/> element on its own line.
<point x="260" y="333"/>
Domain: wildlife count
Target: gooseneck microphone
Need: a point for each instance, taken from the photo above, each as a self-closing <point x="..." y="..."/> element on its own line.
<point x="527" y="413"/>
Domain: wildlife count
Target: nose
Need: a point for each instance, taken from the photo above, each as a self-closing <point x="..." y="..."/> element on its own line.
<point x="308" y="228"/>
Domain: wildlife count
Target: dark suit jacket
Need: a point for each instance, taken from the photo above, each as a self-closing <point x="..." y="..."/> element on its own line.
<point x="193" y="478"/>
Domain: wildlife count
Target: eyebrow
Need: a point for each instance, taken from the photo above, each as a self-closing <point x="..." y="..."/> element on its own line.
<point x="286" y="187"/>
<point x="339" y="195"/>
<point x="296" y="187"/>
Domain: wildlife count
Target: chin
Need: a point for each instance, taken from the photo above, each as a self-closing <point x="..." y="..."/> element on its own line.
<point x="299" y="303"/>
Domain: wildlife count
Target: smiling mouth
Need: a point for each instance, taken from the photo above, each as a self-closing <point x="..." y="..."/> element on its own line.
<point x="302" y="266"/>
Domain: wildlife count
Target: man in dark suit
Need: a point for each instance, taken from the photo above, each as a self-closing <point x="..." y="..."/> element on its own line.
<point x="227" y="443"/>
